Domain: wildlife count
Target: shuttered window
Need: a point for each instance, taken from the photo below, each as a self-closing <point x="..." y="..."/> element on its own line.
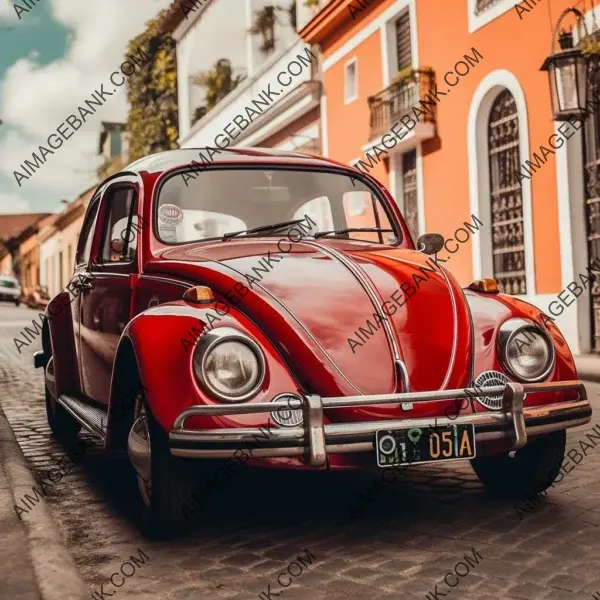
<point x="403" y="44"/>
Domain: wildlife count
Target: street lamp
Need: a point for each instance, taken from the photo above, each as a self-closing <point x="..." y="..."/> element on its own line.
<point x="567" y="70"/>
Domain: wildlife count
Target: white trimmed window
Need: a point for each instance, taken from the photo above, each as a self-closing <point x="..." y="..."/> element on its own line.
<point x="351" y="81"/>
<point x="482" y="12"/>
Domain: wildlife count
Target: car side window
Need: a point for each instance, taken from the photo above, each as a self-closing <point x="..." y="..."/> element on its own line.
<point x="119" y="241"/>
<point x="84" y="246"/>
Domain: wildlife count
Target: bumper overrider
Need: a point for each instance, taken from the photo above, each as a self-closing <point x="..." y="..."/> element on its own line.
<point x="314" y="440"/>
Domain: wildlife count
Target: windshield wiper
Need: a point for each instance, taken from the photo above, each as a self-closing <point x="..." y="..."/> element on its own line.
<point x="351" y="230"/>
<point x="275" y="226"/>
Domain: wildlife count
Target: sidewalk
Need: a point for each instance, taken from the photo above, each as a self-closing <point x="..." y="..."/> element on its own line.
<point x="588" y="367"/>
<point x="34" y="563"/>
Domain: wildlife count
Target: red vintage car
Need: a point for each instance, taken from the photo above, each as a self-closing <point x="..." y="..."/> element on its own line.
<point x="271" y="309"/>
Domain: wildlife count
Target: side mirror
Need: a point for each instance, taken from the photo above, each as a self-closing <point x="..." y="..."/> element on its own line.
<point x="117" y="246"/>
<point x="430" y="243"/>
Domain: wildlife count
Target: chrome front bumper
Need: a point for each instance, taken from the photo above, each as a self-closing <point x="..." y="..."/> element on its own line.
<point x="315" y="439"/>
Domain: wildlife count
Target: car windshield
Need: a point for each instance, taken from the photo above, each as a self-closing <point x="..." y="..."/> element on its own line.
<point x="7" y="282"/>
<point x="231" y="203"/>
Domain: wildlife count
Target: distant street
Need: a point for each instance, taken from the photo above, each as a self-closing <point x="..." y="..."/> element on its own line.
<point x="410" y="537"/>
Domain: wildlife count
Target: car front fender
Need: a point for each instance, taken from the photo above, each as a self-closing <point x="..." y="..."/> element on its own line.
<point x="162" y="342"/>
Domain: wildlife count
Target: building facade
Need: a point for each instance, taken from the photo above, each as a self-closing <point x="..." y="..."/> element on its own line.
<point x="58" y="243"/>
<point x="480" y="141"/>
<point x="260" y="88"/>
<point x="29" y="251"/>
<point x="17" y="237"/>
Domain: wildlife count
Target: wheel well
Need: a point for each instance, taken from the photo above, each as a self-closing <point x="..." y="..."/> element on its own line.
<point x="126" y="386"/>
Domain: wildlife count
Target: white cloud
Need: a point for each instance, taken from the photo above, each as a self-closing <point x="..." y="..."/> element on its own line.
<point x="12" y="203"/>
<point x="36" y="98"/>
<point x="7" y="10"/>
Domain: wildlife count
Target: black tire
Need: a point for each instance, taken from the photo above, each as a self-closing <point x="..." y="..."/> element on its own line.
<point x="173" y="481"/>
<point x="532" y="470"/>
<point x="64" y="427"/>
<point x="17" y="302"/>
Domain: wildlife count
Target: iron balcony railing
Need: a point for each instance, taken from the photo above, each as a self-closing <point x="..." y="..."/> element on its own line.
<point x="388" y="106"/>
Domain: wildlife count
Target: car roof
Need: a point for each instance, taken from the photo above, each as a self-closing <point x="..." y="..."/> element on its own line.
<point x="164" y="161"/>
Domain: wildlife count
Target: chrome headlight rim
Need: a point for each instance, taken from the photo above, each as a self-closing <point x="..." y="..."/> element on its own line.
<point x="511" y="329"/>
<point x="209" y="342"/>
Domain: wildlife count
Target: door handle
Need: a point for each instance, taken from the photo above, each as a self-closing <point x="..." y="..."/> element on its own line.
<point x="83" y="283"/>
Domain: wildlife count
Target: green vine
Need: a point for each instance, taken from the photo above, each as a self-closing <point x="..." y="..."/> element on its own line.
<point x="152" y="94"/>
<point x="407" y="74"/>
<point x="590" y="45"/>
<point x="266" y="19"/>
<point x="219" y="82"/>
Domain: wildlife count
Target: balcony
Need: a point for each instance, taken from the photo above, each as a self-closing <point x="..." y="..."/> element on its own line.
<point x="388" y="106"/>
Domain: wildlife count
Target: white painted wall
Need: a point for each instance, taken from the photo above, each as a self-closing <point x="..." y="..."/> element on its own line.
<point x="215" y="121"/>
<point x="49" y="269"/>
<point x="222" y="31"/>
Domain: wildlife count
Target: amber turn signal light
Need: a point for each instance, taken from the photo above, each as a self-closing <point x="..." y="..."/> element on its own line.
<point x="487" y="285"/>
<point x="199" y="294"/>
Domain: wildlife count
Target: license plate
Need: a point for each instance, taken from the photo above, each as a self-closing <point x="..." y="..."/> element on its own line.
<point x="415" y="445"/>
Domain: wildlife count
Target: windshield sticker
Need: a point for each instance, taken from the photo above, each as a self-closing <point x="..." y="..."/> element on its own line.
<point x="171" y="214"/>
<point x="168" y="233"/>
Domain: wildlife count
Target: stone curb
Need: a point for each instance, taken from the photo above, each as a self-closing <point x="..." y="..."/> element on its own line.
<point x="55" y="572"/>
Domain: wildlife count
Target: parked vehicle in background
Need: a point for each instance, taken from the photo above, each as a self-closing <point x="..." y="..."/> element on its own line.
<point x="10" y="290"/>
<point x="39" y="298"/>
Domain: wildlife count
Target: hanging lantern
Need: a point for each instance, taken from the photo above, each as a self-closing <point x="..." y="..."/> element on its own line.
<point x="567" y="71"/>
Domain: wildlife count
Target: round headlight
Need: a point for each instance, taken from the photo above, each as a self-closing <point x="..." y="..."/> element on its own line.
<point x="230" y="368"/>
<point x="527" y="351"/>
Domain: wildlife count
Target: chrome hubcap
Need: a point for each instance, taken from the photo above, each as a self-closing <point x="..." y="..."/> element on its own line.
<point x="138" y="448"/>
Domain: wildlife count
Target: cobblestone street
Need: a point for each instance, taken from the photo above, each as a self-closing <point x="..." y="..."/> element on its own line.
<point x="409" y="538"/>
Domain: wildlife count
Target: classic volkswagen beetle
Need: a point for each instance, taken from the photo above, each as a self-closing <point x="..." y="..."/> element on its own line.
<point x="271" y="308"/>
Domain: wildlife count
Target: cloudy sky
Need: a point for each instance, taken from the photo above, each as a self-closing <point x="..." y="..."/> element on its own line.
<point x="51" y="61"/>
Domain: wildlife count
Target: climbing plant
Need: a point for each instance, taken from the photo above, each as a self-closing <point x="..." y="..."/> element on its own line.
<point x="152" y="121"/>
<point x="265" y="21"/>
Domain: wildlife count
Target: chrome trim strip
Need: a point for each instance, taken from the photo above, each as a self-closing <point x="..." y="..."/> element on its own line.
<point x="369" y="289"/>
<point x="302" y="326"/>
<point x="362" y="446"/>
<point x="369" y="400"/>
<point x="312" y="439"/>
<point x="166" y="280"/>
<point x="333" y="430"/>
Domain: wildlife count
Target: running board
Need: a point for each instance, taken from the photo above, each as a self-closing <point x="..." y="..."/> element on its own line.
<point x="92" y="417"/>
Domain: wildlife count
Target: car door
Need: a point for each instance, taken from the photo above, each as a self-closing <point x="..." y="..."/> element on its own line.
<point x="79" y="280"/>
<point x="105" y="299"/>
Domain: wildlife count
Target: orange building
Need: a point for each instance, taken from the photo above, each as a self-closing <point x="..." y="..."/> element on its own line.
<point x="444" y="102"/>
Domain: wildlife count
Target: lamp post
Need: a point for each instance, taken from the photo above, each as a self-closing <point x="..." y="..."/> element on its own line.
<point x="567" y="71"/>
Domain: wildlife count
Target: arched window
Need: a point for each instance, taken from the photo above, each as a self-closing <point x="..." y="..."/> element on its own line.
<point x="508" y="242"/>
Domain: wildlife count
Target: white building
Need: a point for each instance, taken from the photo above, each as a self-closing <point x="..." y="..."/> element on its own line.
<point x="276" y="102"/>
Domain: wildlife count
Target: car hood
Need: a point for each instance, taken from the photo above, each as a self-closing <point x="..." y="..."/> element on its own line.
<point x="321" y="305"/>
